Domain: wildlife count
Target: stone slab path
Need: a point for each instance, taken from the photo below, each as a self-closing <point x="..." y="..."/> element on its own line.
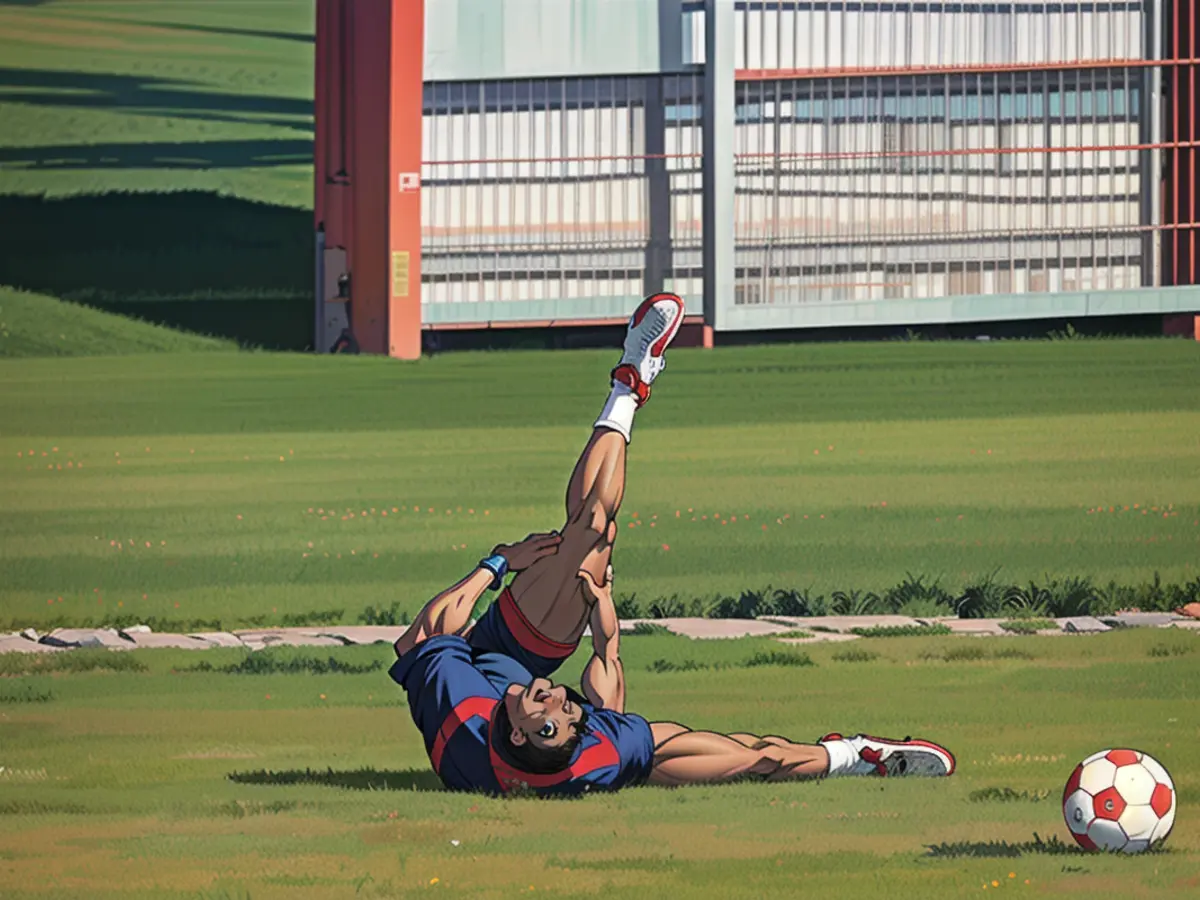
<point x="816" y="629"/>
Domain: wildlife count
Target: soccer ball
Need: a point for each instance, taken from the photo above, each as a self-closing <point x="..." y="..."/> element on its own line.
<point x="1119" y="800"/>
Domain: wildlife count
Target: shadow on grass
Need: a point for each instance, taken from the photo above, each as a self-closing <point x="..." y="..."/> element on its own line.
<point x="237" y="32"/>
<point x="1005" y="849"/>
<point x="197" y="261"/>
<point x="356" y="780"/>
<point x="145" y="94"/>
<point x="193" y="155"/>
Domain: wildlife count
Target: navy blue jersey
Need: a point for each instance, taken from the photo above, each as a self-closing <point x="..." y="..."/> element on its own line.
<point x="453" y="691"/>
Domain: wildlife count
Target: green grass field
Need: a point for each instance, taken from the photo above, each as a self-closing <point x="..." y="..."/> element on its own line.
<point x="176" y="784"/>
<point x="250" y="487"/>
<point x="147" y="95"/>
<point x="33" y="325"/>
<point x="203" y="485"/>
<point x="110" y="111"/>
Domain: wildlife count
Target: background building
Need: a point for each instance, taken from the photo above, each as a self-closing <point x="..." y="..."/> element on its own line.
<point x="881" y="163"/>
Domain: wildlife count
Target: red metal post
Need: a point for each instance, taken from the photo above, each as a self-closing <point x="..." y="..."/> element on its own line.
<point x="1192" y="155"/>
<point x="368" y="101"/>
<point x="1176" y="206"/>
<point x="404" y="175"/>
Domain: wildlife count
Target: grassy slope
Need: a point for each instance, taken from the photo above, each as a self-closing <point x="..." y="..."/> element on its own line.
<point x="157" y="96"/>
<point x="127" y="766"/>
<point x="32" y="325"/>
<point x="203" y="470"/>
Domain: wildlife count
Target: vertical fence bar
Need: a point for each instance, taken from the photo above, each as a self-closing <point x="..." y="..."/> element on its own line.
<point x="1192" y="110"/>
<point x="1176" y="107"/>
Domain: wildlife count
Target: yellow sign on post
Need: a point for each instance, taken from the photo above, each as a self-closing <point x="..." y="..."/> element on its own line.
<point x="400" y="273"/>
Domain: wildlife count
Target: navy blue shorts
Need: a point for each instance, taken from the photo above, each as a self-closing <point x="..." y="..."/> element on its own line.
<point x="505" y="630"/>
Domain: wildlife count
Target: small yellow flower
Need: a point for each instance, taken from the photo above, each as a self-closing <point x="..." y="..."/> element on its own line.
<point x="995" y="884"/>
<point x="1012" y="874"/>
<point x="433" y="881"/>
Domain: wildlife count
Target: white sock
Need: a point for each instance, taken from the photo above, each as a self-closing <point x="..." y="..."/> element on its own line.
<point x="843" y="757"/>
<point x="618" y="411"/>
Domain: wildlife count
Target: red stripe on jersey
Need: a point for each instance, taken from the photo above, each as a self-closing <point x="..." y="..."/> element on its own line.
<point x="528" y="636"/>
<point x="469" y="708"/>
<point x="598" y="756"/>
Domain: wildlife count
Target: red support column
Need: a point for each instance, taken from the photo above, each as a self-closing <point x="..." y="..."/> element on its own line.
<point x="1176" y="156"/>
<point x="1193" y="108"/>
<point x="367" y="155"/>
<point x="368" y="65"/>
<point x="404" y="175"/>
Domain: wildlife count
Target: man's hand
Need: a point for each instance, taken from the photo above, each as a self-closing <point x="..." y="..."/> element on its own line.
<point x="598" y="593"/>
<point x="525" y="553"/>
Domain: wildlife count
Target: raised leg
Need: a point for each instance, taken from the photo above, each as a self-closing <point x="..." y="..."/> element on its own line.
<point x="549" y="593"/>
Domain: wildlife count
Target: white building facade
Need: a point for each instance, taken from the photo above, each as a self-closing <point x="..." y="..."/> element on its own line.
<point x="858" y="162"/>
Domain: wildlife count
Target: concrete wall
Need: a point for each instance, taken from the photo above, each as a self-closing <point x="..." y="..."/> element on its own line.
<point x="808" y="34"/>
<point x="494" y="39"/>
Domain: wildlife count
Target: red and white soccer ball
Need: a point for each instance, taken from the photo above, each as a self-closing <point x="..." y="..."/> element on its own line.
<point x="1119" y="800"/>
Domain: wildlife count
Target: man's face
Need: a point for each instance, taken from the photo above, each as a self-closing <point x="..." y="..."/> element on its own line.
<point x="541" y="714"/>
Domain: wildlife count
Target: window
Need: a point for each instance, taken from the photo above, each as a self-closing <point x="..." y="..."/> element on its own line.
<point x="1006" y="141"/>
<point x="965" y="283"/>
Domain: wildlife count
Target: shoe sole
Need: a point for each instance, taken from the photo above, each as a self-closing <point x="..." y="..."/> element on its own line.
<point x="937" y="749"/>
<point x="659" y="346"/>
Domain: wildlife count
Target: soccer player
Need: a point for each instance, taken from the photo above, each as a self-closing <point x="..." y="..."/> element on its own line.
<point x="481" y="695"/>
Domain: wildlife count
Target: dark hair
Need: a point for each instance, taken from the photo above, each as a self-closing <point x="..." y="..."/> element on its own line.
<point x="531" y="759"/>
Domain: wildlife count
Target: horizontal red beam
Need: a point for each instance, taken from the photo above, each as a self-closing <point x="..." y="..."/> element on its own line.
<point x="864" y="154"/>
<point x="557" y="159"/>
<point x="821" y="236"/>
<point x="970" y="151"/>
<point x="540" y="323"/>
<point x="966" y="69"/>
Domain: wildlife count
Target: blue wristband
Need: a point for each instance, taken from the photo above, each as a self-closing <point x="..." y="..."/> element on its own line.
<point x="498" y="566"/>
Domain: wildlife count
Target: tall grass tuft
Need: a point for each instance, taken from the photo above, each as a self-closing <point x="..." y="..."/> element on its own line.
<point x="269" y="662"/>
<point x="778" y="658"/>
<point x="73" y="661"/>
<point x="24" y="693"/>
<point x="913" y="597"/>
<point x="390" y="615"/>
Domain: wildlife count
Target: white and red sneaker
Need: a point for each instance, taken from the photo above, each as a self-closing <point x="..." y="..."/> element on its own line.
<point x="652" y="327"/>
<point x="888" y="757"/>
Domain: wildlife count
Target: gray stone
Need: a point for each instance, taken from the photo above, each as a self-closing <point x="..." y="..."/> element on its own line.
<point x="15" y="643"/>
<point x="86" y="637"/>
<point x="1141" y="620"/>
<point x="821" y="637"/>
<point x="364" y="634"/>
<point x="29" y="634"/>
<point x="1082" y="624"/>
<point x="175" y="641"/>
<point x="705" y="629"/>
<point x="970" y="626"/>
<point x="218" y="638"/>
<point x="845" y="623"/>
<point x="287" y="637"/>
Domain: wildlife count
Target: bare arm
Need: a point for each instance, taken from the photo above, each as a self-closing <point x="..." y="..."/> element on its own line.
<point x="603" y="679"/>
<point x="447" y="613"/>
<point x="450" y="611"/>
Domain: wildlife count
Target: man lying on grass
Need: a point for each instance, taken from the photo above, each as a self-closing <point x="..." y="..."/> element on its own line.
<point x="481" y="694"/>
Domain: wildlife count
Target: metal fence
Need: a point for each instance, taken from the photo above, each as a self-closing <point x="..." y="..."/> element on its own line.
<point x="939" y="185"/>
<point x="883" y="151"/>
<point x="573" y="189"/>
